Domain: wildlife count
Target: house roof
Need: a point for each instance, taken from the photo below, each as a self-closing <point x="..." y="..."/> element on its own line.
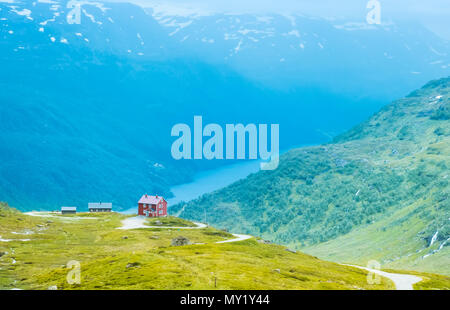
<point x="100" y="205"/>
<point x="152" y="200"/>
<point x="68" y="208"/>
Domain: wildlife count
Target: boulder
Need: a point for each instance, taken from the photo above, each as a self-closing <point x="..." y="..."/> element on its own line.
<point x="131" y="265"/>
<point x="179" y="241"/>
<point x="264" y="241"/>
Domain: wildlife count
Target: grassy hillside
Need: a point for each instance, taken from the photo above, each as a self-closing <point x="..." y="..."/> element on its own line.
<point x="379" y="191"/>
<point x="39" y="248"/>
<point x="144" y="258"/>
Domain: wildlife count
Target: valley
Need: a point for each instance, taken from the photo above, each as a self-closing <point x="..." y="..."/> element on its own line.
<point x="97" y="103"/>
<point x="97" y="100"/>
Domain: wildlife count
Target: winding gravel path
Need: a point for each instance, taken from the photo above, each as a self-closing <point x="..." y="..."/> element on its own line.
<point x="403" y="282"/>
<point x="238" y="238"/>
<point x="139" y="222"/>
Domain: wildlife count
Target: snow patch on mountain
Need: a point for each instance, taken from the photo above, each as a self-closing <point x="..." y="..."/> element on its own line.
<point x="179" y="26"/>
<point x="55" y="7"/>
<point x="294" y="33"/>
<point x="264" y="19"/>
<point x="436" y="52"/>
<point x="45" y="22"/>
<point x="206" y="40"/>
<point x="218" y="36"/>
<point x="355" y="26"/>
<point x="161" y="10"/>
<point x="24" y="12"/>
<point x="291" y="19"/>
<point x="140" y="38"/>
<point x="91" y="17"/>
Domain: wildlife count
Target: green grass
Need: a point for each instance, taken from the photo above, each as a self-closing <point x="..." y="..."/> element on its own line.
<point x="105" y="252"/>
<point x="247" y="265"/>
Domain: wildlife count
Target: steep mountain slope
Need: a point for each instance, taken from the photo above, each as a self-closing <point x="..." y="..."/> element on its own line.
<point x="64" y="142"/>
<point x="292" y="50"/>
<point x="382" y="186"/>
<point x="285" y="51"/>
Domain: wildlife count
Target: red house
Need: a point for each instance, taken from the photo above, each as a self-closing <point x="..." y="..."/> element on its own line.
<point x="152" y="206"/>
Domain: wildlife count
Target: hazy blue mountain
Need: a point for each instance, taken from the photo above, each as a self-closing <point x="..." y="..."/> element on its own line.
<point x="286" y="51"/>
<point x="292" y="50"/>
<point x="86" y="109"/>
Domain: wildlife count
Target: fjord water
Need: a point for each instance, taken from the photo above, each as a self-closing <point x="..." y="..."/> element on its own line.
<point x="212" y="180"/>
<point x="208" y="181"/>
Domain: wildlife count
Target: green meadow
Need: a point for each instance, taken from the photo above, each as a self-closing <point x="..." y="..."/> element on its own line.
<point x="145" y="259"/>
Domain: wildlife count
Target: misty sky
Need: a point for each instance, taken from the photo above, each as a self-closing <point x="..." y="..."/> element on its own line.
<point x="434" y="14"/>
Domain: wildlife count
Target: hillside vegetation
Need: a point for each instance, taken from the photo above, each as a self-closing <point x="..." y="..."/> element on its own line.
<point x="35" y="252"/>
<point x="379" y="191"/>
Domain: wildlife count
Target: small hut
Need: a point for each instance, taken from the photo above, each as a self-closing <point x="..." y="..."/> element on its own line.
<point x="68" y="210"/>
